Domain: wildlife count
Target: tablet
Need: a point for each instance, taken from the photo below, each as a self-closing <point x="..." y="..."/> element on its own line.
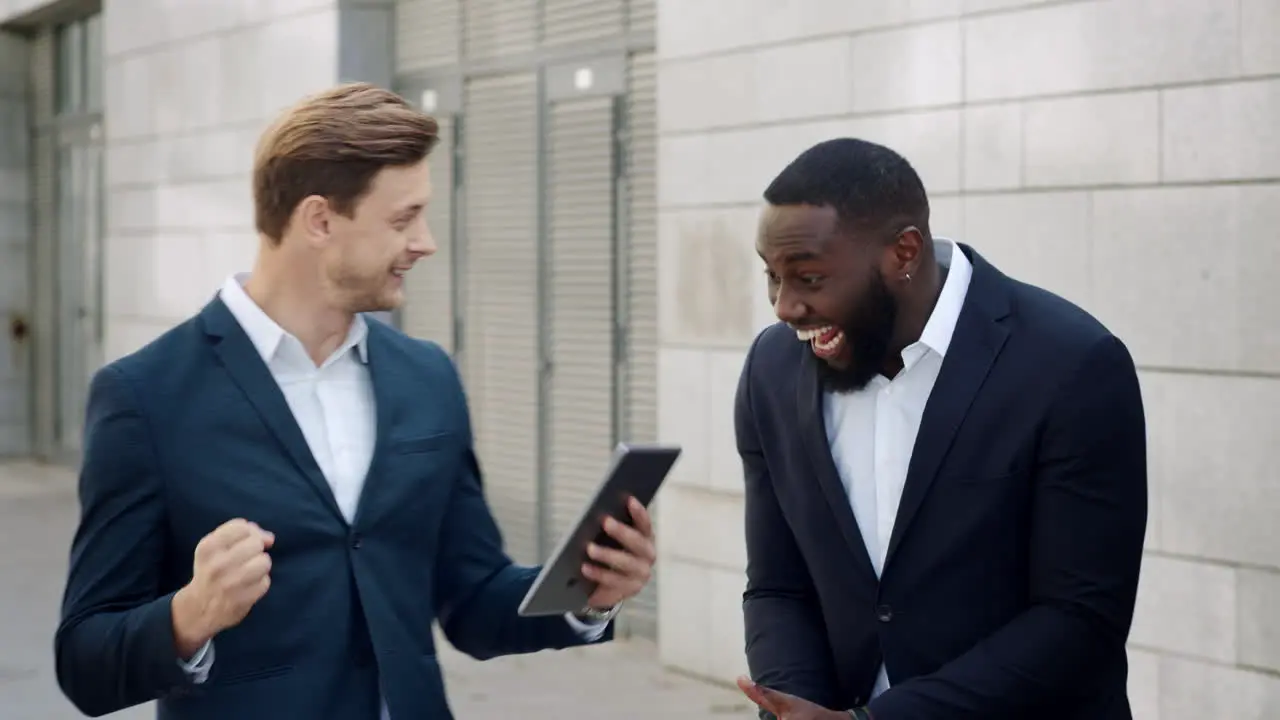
<point x="636" y="471"/>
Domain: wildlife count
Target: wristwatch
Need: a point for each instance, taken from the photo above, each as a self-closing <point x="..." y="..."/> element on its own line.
<point x="592" y="615"/>
<point x="860" y="714"/>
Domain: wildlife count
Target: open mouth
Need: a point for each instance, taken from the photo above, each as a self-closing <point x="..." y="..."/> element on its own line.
<point x="825" y="341"/>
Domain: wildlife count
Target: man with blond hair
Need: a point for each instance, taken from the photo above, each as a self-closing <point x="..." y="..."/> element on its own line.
<point x="279" y="498"/>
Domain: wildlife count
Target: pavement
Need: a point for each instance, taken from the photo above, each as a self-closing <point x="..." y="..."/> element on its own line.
<point x="619" y="681"/>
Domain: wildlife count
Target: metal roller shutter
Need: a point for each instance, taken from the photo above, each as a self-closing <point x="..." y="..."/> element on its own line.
<point x="642" y="16"/>
<point x="499" y="28"/>
<point x="428" y="308"/>
<point x="500" y="318"/>
<point x="581" y="308"/>
<point x="427" y="34"/>
<point x="641" y="287"/>
<point x="575" y="21"/>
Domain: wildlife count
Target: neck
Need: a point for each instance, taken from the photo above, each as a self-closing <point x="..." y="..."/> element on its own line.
<point x="286" y="285"/>
<point x="914" y="310"/>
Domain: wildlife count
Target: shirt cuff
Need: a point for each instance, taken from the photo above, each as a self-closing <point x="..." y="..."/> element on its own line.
<point x="198" y="667"/>
<point x="590" y="632"/>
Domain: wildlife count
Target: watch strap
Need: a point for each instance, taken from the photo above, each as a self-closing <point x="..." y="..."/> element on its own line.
<point x="593" y="615"/>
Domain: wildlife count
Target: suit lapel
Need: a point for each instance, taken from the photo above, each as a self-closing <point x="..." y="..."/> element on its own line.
<point x="813" y="429"/>
<point x="977" y="341"/>
<point x="384" y="373"/>
<point x="245" y="366"/>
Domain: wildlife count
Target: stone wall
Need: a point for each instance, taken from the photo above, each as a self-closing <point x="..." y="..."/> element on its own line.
<point x="189" y="87"/>
<point x="1123" y="153"/>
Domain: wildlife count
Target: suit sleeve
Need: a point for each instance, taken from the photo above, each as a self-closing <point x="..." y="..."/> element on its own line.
<point x="114" y="646"/>
<point x="1088" y="521"/>
<point x="786" y="639"/>
<point x="478" y="587"/>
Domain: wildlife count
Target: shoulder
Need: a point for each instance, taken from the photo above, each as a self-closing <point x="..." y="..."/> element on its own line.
<point x="425" y="359"/>
<point x="147" y="366"/>
<point x="771" y="369"/>
<point x="773" y="348"/>
<point x="1068" y="344"/>
<point x="1055" y="323"/>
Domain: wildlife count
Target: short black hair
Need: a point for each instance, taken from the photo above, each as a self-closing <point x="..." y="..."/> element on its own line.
<point x="870" y="186"/>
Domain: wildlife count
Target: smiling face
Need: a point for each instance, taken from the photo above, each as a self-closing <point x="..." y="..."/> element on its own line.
<point x="341" y="185"/>
<point x="830" y="287"/>
<point x="363" y="257"/>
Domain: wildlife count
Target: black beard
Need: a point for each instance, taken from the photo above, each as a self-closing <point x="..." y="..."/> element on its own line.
<point x="868" y="336"/>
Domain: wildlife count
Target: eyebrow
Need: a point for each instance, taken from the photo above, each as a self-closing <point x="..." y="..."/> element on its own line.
<point x="801" y="256"/>
<point x="410" y="211"/>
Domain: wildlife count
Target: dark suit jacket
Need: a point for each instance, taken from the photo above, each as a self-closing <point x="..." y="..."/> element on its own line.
<point x="193" y="431"/>
<point x="1009" y="584"/>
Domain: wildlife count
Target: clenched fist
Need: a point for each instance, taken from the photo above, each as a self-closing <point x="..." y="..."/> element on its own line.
<point x="232" y="571"/>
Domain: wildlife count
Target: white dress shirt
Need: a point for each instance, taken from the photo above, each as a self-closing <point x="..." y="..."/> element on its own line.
<point x="333" y="405"/>
<point x="873" y="431"/>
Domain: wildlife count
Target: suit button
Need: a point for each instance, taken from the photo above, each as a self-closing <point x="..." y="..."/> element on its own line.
<point x="884" y="613"/>
<point x="355" y="542"/>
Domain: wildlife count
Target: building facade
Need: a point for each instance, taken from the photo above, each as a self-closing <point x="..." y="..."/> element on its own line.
<point x="598" y="182"/>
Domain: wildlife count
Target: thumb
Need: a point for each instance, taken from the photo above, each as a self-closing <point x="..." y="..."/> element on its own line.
<point x="771" y="700"/>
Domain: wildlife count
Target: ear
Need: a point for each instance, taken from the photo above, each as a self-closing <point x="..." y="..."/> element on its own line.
<point x="904" y="254"/>
<point x="312" y="217"/>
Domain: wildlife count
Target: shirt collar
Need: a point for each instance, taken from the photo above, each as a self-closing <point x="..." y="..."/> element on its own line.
<point x="267" y="335"/>
<point x="941" y="325"/>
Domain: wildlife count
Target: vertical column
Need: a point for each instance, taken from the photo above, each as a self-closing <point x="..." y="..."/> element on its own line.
<point x="15" y="246"/>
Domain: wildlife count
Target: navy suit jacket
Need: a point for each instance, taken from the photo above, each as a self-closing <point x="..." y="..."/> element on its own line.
<point x="1012" y="568"/>
<point x="192" y="431"/>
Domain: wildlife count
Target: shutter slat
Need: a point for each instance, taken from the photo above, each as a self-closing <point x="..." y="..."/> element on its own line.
<point x="499" y="28"/>
<point x="428" y="288"/>
<point x="641" y="380"/>
<point x="581" y="312"/>
<point x="573" y="21"/>
<point x="427" y="34"/>
<point x="500" y="348"/>
<point x="642" y="16"/>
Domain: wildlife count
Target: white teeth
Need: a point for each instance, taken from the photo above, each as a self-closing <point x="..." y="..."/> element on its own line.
<point x="830" y="344"/>
<point x="809" y="335"/>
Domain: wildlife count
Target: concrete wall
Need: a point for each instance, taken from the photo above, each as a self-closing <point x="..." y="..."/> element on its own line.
<point x="1123" y="153"/>
<point x="189" y="88"/>
<point x="10" y="9"/>
<point x="15" y="231"/>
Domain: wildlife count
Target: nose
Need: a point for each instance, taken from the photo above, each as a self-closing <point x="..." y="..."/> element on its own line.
<point x="788" y="307"/>
<point x="423" y="243"/>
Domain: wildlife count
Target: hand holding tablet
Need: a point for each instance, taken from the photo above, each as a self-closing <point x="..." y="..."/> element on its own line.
<point x="616" y="522"/>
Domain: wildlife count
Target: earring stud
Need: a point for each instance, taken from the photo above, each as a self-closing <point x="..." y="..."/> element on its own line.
<point x="907" y="277"/>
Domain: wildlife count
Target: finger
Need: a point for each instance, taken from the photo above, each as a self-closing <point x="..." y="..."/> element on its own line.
<point x="609" y="580"/>
<point x="260" y="588"/>
<point x="229" y="533"/>
<point x="758" y="694"/>
<point x="254" y="570"/>
<point x="226" y="563"/>
<point x="621" y="561"/>
<point x="248" y="547"/>
<point x="640" y="517"/>
<point x="630" y="539"/>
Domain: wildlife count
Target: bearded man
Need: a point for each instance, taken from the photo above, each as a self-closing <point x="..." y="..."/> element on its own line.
<point x="945" y="469"/>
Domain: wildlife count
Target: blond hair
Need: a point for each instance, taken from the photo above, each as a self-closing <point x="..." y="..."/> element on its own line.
<point x="332" y="144"/>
